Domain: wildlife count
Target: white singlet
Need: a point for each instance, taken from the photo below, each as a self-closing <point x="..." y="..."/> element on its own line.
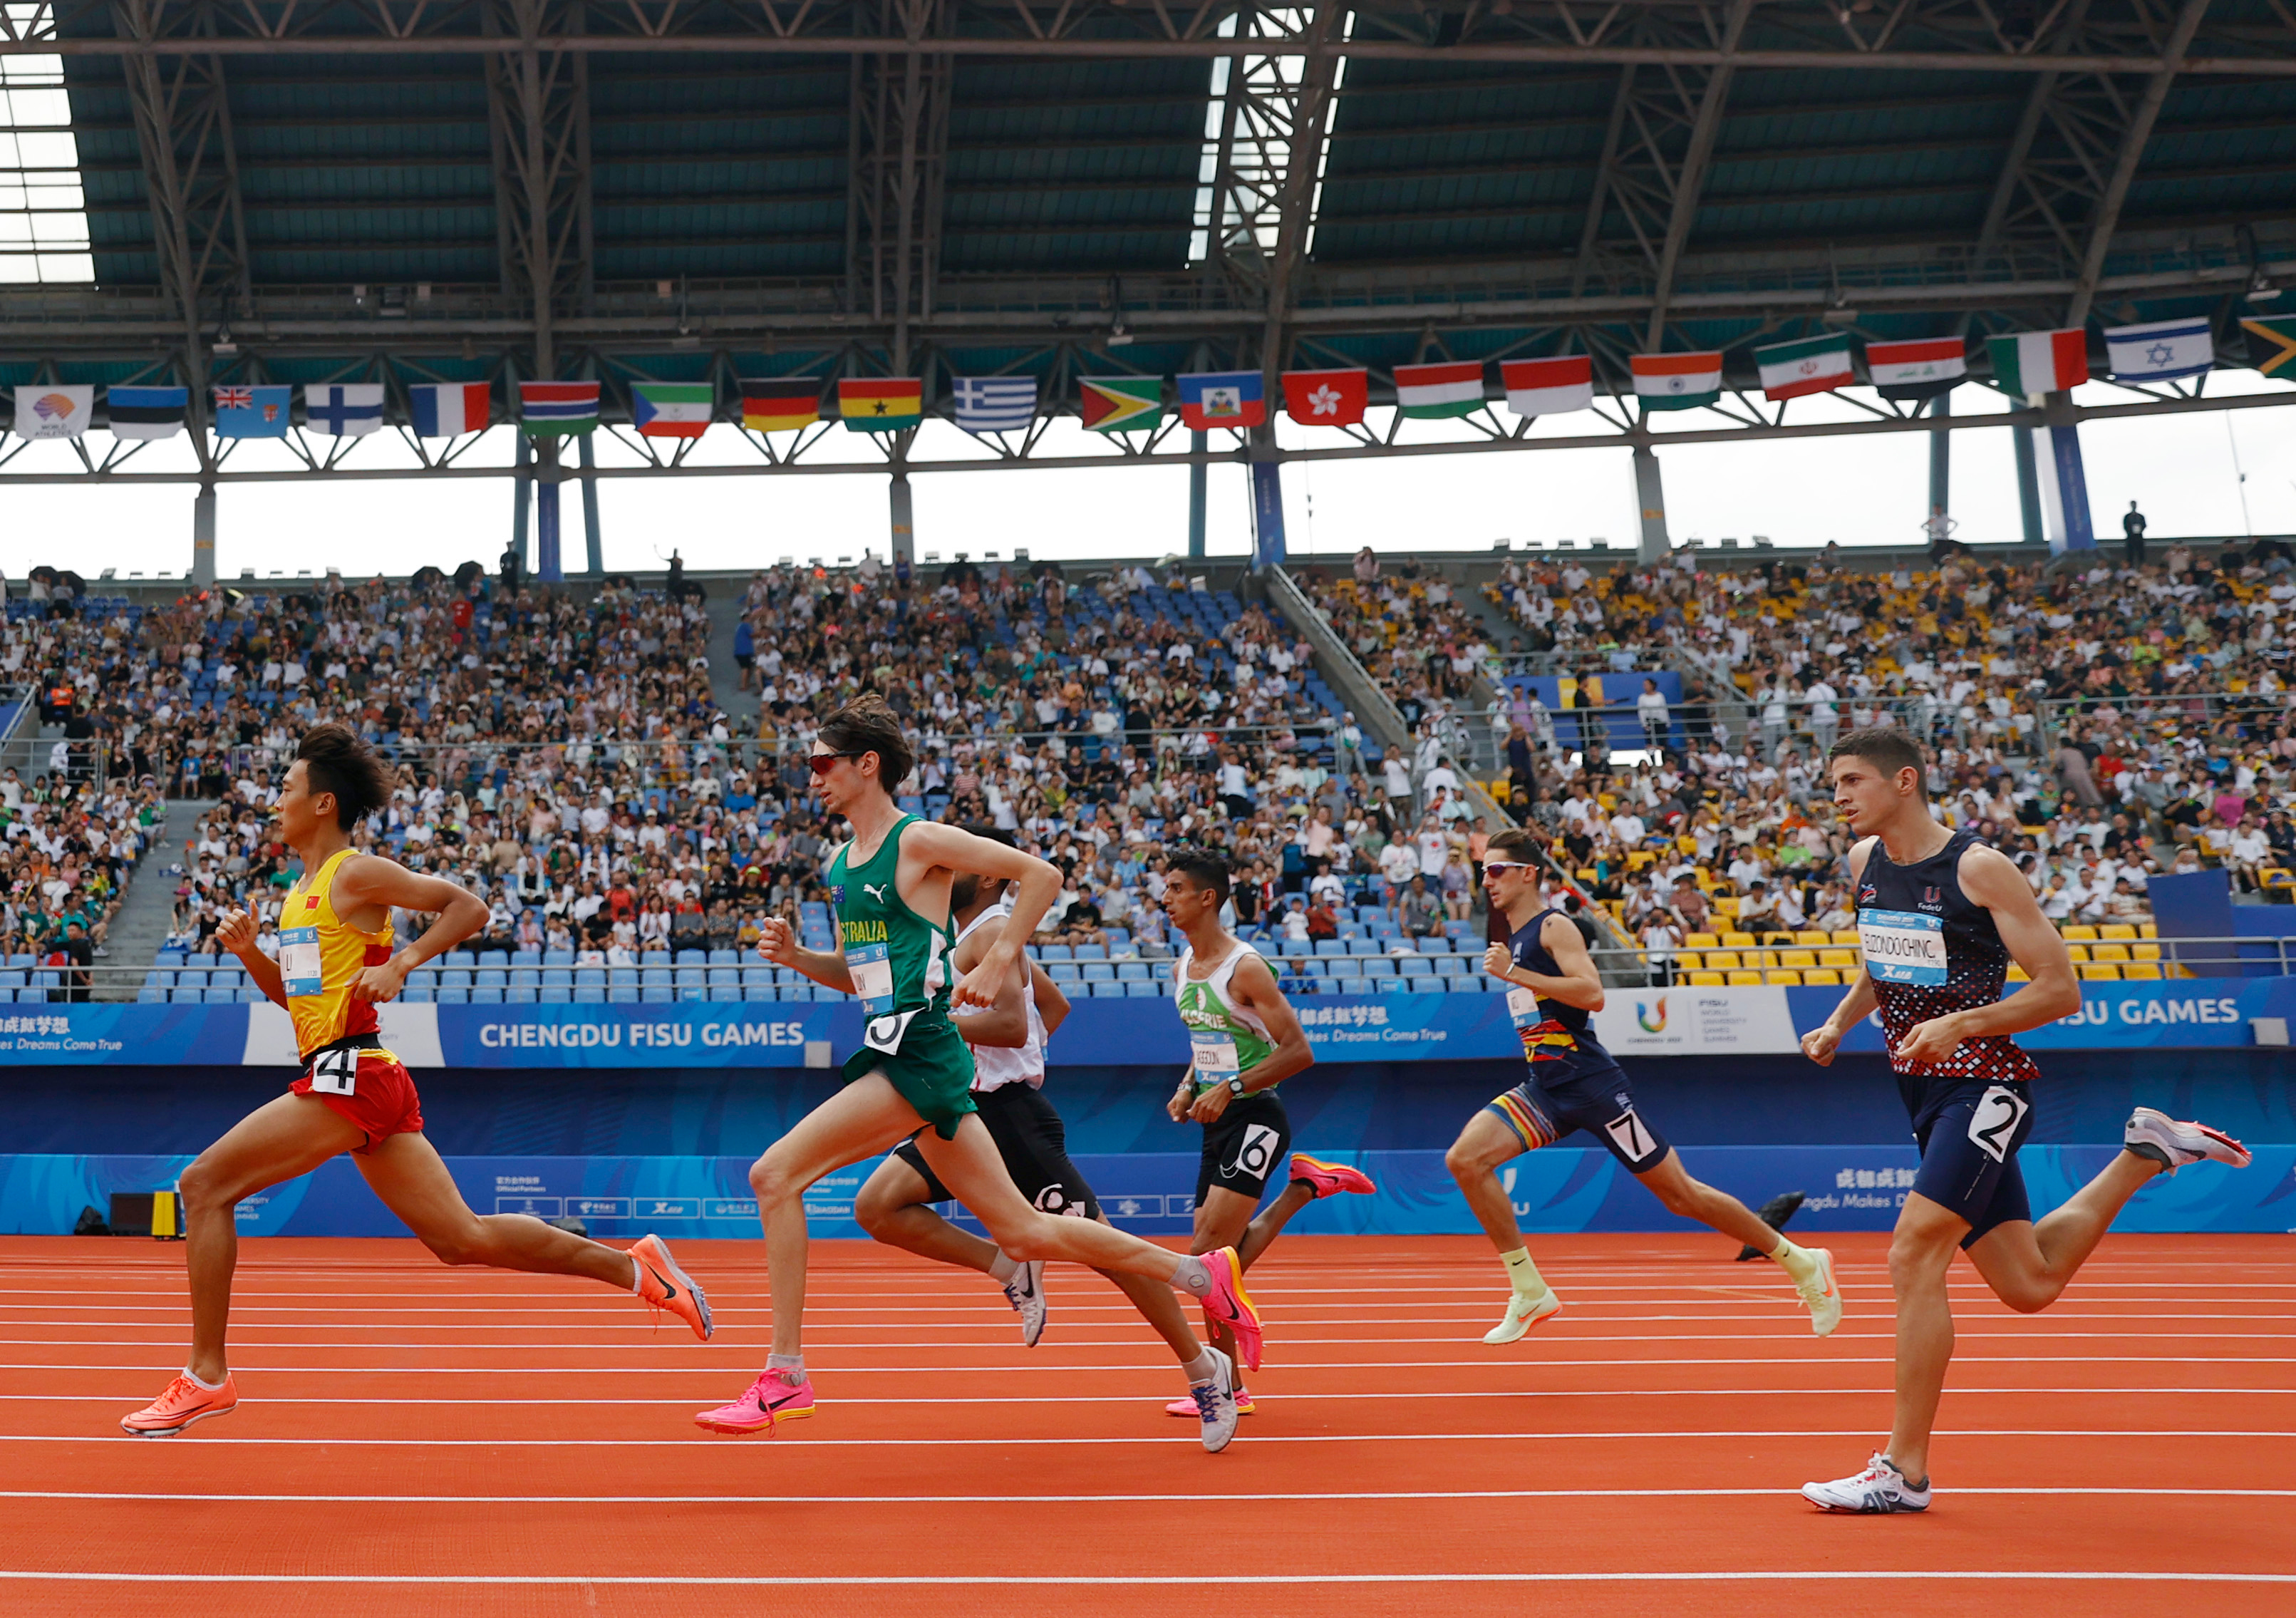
<point x="994" y="1067"/>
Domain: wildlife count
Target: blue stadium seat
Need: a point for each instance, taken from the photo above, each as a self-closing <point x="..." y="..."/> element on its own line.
<point x="1129" y="970"/>
<point x="1099" y="971"/>
<point x="1135" y="989"/>
<point x="518" y="994"/>
<point x="693" y="957"/>
<point x="526" y="958"/>
<point x="1293" y="947"/>
<point x="724" y="957"/>
<point x="487" y="994"/>
<point x="1057" y="952"/>
<point x="623" y="994"/>
<point x="1091" y="952"/>
<point x="1330" y="946"/>
<point x="450" y="995"/>
<point x="418" y="994"/>
<point x="461" y="958"/>
<point x="759" y="991"/>
<point x="653" y="996"/>
<point x="152" y="994"/>
<point x="558" y="958"/>
<point x="1451" y="966"/>
<point x="1351" y="985"/>
<point x="491" y="977"/>
<point x="589" y="994"/>
<point x="1064" y="972"/>
<point x="1418" y="984"/>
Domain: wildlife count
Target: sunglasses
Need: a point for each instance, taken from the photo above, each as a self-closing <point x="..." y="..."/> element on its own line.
<point x="1507" y="865"/>
<point x="822" y="763"/>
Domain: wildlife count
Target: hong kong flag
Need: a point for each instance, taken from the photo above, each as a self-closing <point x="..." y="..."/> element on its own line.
<point x="1326" y="398"/>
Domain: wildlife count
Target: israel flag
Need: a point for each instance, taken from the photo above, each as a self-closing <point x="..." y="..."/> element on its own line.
<point x="2161" y="350"/>
<point x="996" y="403"/>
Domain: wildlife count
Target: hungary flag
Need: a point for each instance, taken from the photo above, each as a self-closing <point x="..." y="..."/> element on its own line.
<point x="1122" y="403"/>
<point x="1808" y="364"/>
<point x="880" y="404"/>
<point x="1677" y="381"/>
<point x="671" y="410"/>
<point x="1430" y="392"/>
<point x="2033" y="363"/>
<point x="780" y="404"/>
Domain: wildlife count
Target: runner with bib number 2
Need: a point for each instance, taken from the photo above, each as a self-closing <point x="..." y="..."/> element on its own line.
<point x="1553" y="991"/>
<point x="1939" y="917"/>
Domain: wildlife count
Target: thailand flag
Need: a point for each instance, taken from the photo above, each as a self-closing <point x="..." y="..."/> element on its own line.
<point x="442" y="410"/>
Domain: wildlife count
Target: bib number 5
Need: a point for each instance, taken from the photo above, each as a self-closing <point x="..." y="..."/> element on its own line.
<point x="1994" y="1124"/>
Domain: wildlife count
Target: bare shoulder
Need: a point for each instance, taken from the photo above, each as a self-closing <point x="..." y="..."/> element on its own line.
<point x="976" y="943"/>
<point x="1860" y="852"/>
<point x="1992" y="878"/>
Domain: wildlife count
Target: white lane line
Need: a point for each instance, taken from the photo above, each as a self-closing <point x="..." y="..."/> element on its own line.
<point x="174" y="1498"/>
<point x="1223" y="1579"/>
<point x="1187" y="1439"/>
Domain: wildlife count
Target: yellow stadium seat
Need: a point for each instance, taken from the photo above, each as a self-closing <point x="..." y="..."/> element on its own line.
<point x="1727" y="905"/>
<point x="1637" y="859"/>
<point x="2086" y="935"/>
<point x="1706" y="980"/>
<point x="1585" y="874"/>
<point x="1722" y="960"/>
<point x="1837" y="957"/>
<point x="2017" y="973"/>
<point x="1821" y="974"/>
<point x="2080" y="952"/>
<point x="2145" y="952"/>
<point x="2109" y="952"/>
<point x="1740" y="978"/>
<point x="1738" y="940"/>
<point x="1812" y="938"/>
<point x="1848" y="935"/>
<point x="2147" y="929"/>
<point x="2096" y="971"/>
<point x="2119" y="930"/>
<point x="1780" y="975"/>
<point x="2140" y="972"/>
<point x="1702" y="940"/>
<point x="1762" y="959"/>
<point x="1798" y="957"/>
<point x="2275" y="877"/>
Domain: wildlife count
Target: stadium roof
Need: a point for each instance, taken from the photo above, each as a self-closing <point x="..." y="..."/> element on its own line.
<point x="675" y="190"/>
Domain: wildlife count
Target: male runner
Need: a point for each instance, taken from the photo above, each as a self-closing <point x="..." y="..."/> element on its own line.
<point x="1939" y="917"/>
<point x="1575" y="1084"/>
<point x="1244" y="1041"/>
<point x="891" y="887"/>
<point x="1008" y="1044"/>
<point x="335" y="964"/>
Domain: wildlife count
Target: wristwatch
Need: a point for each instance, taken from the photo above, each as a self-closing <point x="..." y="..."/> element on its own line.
<point x="1236" y="1084"/>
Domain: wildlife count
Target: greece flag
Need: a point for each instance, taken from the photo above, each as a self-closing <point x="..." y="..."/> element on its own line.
<point x="2160" y="351"/>
<point x="996" y="403"/>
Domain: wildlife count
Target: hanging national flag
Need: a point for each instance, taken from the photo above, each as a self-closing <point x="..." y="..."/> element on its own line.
<point x="1222" y="399"/>
<point x="1549" y="387"/>
<point x="2033" y="363"/>
<point x="2161" y="350"/>
<point x="1326" y="398"/>
<point x="546" y="409"/>
<point x="1122" y="403"/>
<point x="671" y="410"/>
<point x="880" y="404"/>
<point x="252" y="412"/>
<point x="348" y="410"/>
<point x="49" y="410"/>
<point x="1920" y="369"/>
<point x="1677" y="381"/>
<point x="996" y="403"/>
<point x="147" y="413"/>
<point x="1430" y="392"/>
<point x="780" y="404"/>
<point x="446" y="410"/>
<point x="1807" y="364"/>
<point x="2274" y="342"/>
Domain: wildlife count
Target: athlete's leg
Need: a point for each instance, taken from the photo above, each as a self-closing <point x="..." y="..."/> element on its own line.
<point x="1694" y="1199"/>
<point x="893" y="1209"/>
<point x="2028" y="1265"/>
<point x="1474" y="1159"/>
<point x="282" y="1138"/>
<point x="1223" y="1220"/>
<point x="1270" y="1223"/>
<point x="1921" y="1258"/>
<point x="1159" y="1307"/>
<point x="406" y="1173"/>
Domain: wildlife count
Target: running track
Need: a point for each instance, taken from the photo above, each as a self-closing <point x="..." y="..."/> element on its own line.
<point x="416" y="1440"/>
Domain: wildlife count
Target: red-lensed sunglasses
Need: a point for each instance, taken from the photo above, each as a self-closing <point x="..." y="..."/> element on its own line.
<point x="823" y="762"/>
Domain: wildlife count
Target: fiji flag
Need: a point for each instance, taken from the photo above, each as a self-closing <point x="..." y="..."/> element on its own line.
<point x="1222" y="399"/>
<point x="252" y="412"/>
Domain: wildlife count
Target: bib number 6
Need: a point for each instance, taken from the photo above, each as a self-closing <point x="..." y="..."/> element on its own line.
<point x="1994" y="1124"/>
<point x="335" y="1072"/>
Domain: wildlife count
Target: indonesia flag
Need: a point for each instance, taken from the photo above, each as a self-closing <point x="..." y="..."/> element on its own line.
<point x="1549" y="387"/>
<point x="444" y="410"/>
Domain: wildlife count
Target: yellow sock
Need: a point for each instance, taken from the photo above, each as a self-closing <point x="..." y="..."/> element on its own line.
<point x="1524" y="1274"/>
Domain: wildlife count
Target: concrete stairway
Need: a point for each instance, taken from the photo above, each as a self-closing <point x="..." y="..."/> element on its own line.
<point x="141" y="926"/>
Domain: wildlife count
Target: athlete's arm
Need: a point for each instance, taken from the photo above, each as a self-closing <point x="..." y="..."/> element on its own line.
<point x="1035" y="885"/>
<point x="1579" y="984"/>
<point x="777" y="942"/>
<point x="1253" y="987"/>
<point x="1005" y="1023"/>
<point x="1052" y="1005"/>
<point x="1820" y="1043"/>
<point x="1991" y="880"/>
<point x="369" y="879"/>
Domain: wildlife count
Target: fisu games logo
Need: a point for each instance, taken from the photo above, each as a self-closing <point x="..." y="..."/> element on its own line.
<point x="1651" y="1017"/>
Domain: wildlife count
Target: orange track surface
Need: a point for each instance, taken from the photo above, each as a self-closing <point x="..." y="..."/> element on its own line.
<point x="524" y="1443"/>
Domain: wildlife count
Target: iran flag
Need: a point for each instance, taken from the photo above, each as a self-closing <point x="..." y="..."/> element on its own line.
<point x="1549" y="387"/>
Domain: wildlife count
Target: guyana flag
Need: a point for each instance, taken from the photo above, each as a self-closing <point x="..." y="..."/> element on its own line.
<point x="880" y="404"/>
<point x="780" y="404"/>
<point x="2271" y="344"/>
<point x="1123" y="404"/>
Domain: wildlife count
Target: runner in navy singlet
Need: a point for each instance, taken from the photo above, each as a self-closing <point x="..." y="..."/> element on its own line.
<point x="1939" y="917"/>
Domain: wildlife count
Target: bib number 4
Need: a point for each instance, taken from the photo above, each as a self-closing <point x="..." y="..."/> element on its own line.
<point x="335" y="1072"/>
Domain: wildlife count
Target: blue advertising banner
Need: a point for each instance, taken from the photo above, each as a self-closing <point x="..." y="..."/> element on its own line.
<point x="1558" y="1190"/>
<point x="1679" y="1021"/>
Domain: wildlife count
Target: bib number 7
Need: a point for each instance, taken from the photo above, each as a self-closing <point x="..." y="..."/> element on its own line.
<point x="335" y="1072"/>
<point x="1993" y="1125"/>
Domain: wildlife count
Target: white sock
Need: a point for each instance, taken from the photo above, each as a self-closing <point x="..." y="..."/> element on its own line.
<point x="201" y="1381"/>
<point x="1524" y="1274"/>
<point x="1194" y="1277"/>
<point x="1798" y="1263"/>
<point x="791" y="1367"/>
<point x="1201" y="1369"/>
<point x="1004" y="1267"/>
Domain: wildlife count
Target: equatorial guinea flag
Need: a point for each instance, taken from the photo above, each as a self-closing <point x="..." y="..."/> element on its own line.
<point x="1326" y="398"/>
<point x="446" y="410"/>
<point x="1920" y="369"/>
<point x="1549" y="387"/>
<point x="2034" y="363"/>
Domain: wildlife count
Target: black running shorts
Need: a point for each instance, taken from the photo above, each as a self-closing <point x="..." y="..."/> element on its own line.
<point x="1033" y="1142"/>
<point x="1244" y="1146"/>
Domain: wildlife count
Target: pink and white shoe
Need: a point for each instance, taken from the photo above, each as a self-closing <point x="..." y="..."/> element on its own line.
<point x="1329" y="1179"/>
<point x="2172" y="1144"/>
<point x="1187" y="1406"/>
<point x="771" y="1399"/>
<point x="1228" y="1304"/>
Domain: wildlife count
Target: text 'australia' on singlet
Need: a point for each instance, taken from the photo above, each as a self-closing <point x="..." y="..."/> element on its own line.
<point x="320" y="957"/>
<point x="1931" y="949"/>
<point x="994" y="1067"/>
<point x="899" y="960"/>
<point x="1225" y="1041"/>
<point x="1558" y="1040"/>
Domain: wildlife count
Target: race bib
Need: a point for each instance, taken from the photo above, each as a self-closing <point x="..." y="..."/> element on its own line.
<point x="1523" y="1006"/>
<point x="1215" y="1057"/>
<point x="884" y="1033"/>
<point x="335" y="1072"/>
<point x="1903" y="947"/>
<point x="873" y="977"/>
<point x="1993" y="1124"/>
<point x="299" y="962"/>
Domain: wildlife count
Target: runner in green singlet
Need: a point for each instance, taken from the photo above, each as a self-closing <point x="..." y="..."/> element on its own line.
<point x="913" y="1077"/>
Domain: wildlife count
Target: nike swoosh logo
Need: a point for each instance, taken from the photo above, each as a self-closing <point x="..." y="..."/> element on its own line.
<point x="669" y="1292"/>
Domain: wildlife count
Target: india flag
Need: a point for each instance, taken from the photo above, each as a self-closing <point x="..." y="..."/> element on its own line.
<point x="1677" y="381"/>
<point x="1435" y="391"/>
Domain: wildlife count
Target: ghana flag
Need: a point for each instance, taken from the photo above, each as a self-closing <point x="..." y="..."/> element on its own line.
<point x="780" y="404"/>
<point x="1122" y="403"/>
<point x="880" y="404"/>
